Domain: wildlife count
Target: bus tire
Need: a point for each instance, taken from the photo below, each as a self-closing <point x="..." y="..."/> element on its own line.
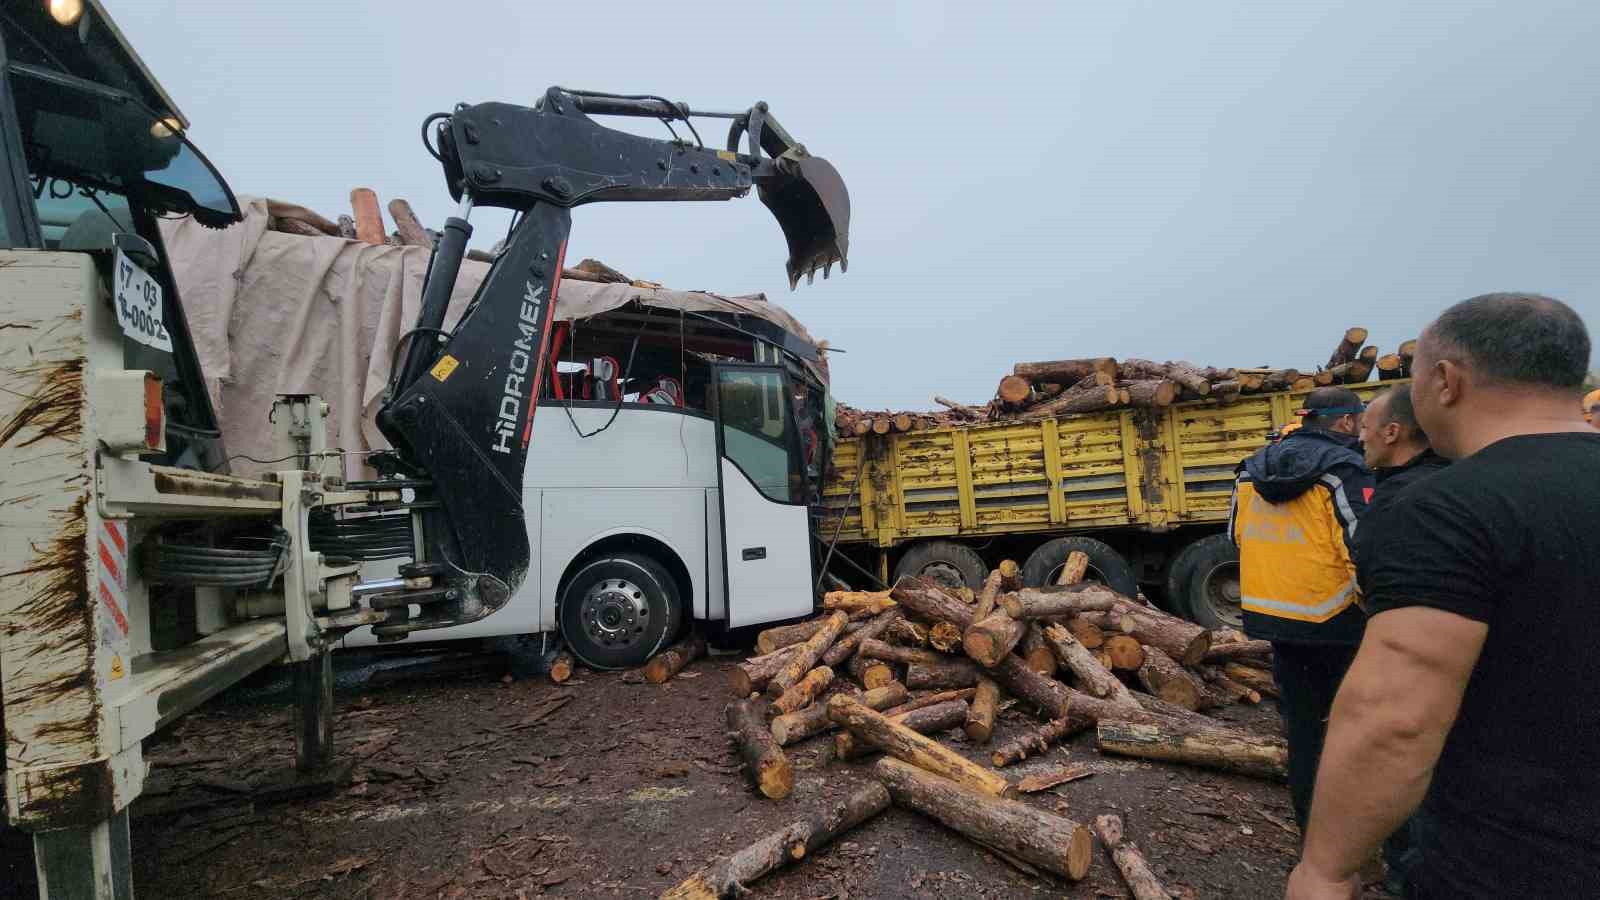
<point x="945" y="561"/>
<point x="618" y="610"/>
<point x="1105" y="564"/>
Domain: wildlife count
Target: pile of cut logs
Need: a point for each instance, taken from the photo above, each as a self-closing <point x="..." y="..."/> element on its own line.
<point x="890" y="671"/>
<point x="1036" y="390"/>
<point x="365" y="223"/>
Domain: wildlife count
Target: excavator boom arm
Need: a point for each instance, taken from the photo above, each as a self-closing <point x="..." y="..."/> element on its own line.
<point x="460" y="408"/>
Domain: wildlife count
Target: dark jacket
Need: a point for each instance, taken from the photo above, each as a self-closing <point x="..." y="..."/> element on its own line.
<point x="1295" y="508"/>
<point x="1392" y="480"/>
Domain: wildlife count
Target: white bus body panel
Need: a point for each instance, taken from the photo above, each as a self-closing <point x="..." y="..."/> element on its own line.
<point x="653" y="472"/>
<point x="768" y="553"/>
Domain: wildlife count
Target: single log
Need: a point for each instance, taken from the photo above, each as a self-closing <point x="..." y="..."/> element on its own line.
<point x="1039" y="740"/>
<point x="980" y="715"/>
<point x="1044" y="781"/>
<point x="866" y="802"/>
<point x="876" y="649"/>
<point x="1226" y="391"/>
<point x="1036" y="652"/>
<point x="881" y="425"/>
<point x="405" y="221"/>
<point x="1407" y="353"/>
<point x="753" y="674"/>
<point x="945" y="673"/>
<point x="1010" y="575"/>
<point x="1051" y="842"/>
<point x="369" y="221"/>
<point x="793" y="727"/>
<point x="1068" y="371"/>
<point x="846" y="646"/>
<point x="1093" y="678"/>
<point x="1130" y="862"/>
<point x="1302" y="384"/>
<point x="1087" y="633"/>
<point x="1225" y="688"/>
<point x="1085" y="396"/>
<point x="729" y="876"/>
<point x="1109" y="623"/>
<point x="931" y="603"/>
<point x="907" y="633"/>
<point x="960" y="409"/>
<point x="963" y="694"/>
<point x="1261" y="650"/>
<point x="1164" y="678"/>
<point x="1349" y="346"/>
<point x="992" y="639"/>
<point x="1183" y="640"/>
<point x="1390" y="367"/>
<point x="286" y="225"/>
<point x="1074" y="568"/>
<point x="278" y="211"/>
<point x="944" y="636"/>
<point x="870" y="673"/>
<point x="903" y="422"/>
<point x="987" y="596"/>
<point x="1051" y="602"/>
<point x="774" y="639"/>
<point x="1279" y="380"/>
<point x="764" y="763"/>
<point x="902" y="736"/>
<point x="810" y="652"/>
<point x="1369" y="355"/>
<point x="873" y="602"/>
<point x="1051" y="697"/>
<point x="561" y="669"/>
<point x="671" y="661"/>
<point x="1253" y="678"/>
<point x="1123" y="397"/>
<point x="1125" y="651"/>
<point x="1185" y="375"/>
<point x="1014" y="390"/>
<point x="804" y="691"/>
<point x="1250" y="382"/>
<point x="862" y="427"/>
<point x="1226" y="750"/>
<point x="1147" y="710"/>
<point x="1150" y="391"/>
<point x="1104" y="659"/>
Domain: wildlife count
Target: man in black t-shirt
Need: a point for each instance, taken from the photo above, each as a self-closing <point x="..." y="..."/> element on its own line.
<point x="1470" y="695"/>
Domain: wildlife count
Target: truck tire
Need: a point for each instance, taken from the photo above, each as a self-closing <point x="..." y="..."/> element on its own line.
<point x="945" y="561"/>
<point x="618" y="610"/>
<point x="1105" y="564"/>
<point x="1203" y="583"/>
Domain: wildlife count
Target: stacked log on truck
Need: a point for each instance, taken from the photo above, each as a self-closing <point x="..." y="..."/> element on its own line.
<point x="1048" y="388"/>
<point x="1150" y="705"/>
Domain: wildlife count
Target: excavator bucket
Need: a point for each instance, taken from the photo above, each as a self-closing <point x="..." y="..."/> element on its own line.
<point x="812" y="206"/>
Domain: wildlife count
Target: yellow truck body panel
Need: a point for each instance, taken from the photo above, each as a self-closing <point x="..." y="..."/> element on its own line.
<point x="1147" y="469"/>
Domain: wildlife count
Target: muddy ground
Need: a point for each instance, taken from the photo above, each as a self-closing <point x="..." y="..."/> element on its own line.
<point x="464" y="785"/>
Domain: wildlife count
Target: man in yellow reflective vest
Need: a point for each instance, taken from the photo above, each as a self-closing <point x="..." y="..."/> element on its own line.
<point x="1293" y="517"/>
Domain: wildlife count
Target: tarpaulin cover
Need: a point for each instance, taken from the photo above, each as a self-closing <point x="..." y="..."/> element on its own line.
<point x="274" y="313"/>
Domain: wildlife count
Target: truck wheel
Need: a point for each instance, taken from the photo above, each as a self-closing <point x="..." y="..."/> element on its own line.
<point x="1105" y="564"/>
<point x="944" y="561"/>
<point x="618" y="610"/>
<point x="1203" y="585"/>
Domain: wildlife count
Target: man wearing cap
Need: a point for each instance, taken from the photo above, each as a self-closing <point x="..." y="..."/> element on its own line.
<point x="1293" y="518"/>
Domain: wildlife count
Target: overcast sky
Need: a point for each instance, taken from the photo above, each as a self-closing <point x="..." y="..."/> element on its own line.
<point x="1230" y="183"/>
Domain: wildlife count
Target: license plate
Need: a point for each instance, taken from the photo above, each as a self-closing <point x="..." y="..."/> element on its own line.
<point x="137" y="298"/>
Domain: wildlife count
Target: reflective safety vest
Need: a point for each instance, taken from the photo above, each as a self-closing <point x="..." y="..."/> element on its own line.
<point x="1297" y="573"/>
